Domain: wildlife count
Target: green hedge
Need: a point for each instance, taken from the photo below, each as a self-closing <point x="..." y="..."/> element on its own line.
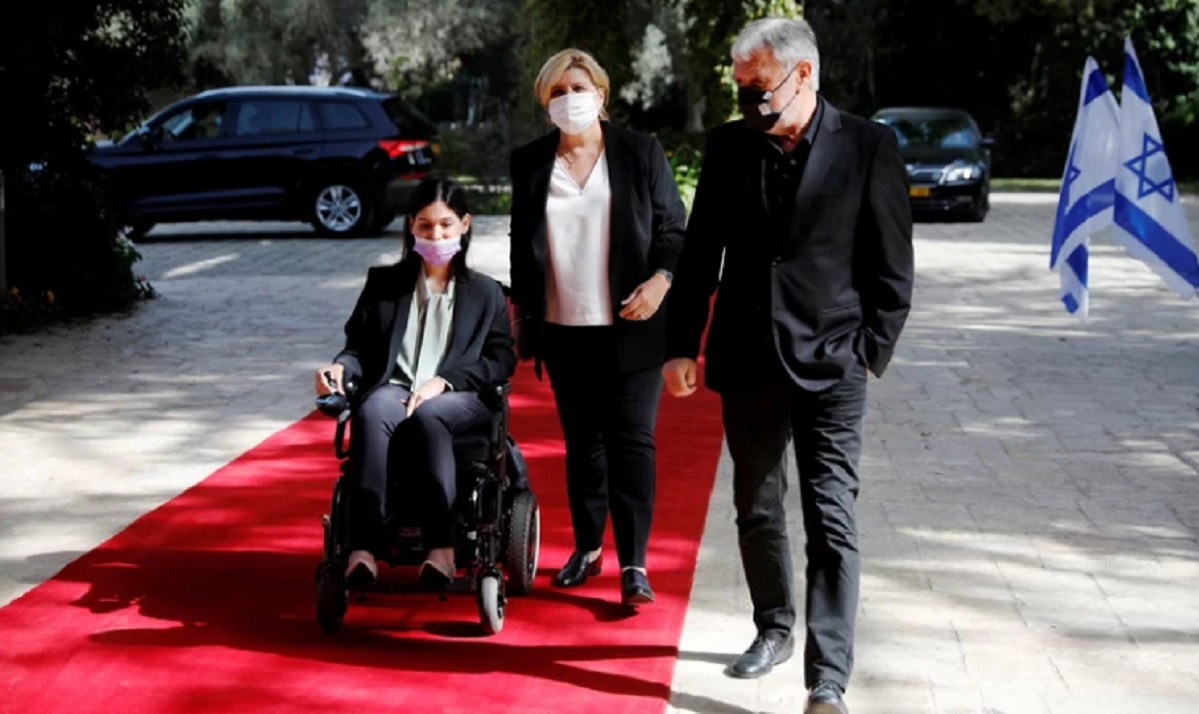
<point x="66" y="256"/>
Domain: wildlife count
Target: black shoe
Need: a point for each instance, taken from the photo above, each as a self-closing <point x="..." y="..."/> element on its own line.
<point x="765" y="652"/>
<point x="826" y="699"/>
<point x="434" y="578"/>
<point x="577" y="570"/>
<point x="635" y="589"/>
<point x="361" y="571"/>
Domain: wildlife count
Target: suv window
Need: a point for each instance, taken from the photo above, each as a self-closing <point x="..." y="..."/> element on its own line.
<point x="342" y="115"/>
<point x="258" y="117"/>
<point x="410" y="121"/>
<point x="196" y="122"/>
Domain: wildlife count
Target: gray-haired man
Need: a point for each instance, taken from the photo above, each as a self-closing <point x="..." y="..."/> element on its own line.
<point x="808" y="210"/>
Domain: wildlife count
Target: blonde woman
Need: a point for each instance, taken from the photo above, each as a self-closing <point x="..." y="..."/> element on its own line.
<point x="597" y="226"/>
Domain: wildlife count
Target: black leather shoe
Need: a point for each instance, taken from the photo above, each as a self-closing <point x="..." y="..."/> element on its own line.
<point x="762" y="655"/>
<point x="577" y="570"/>
<point x="826" y="699"/>
<point x="635" y="589"/>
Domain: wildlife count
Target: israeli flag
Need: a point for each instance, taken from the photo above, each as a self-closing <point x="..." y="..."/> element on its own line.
<point x="1088" y="193"/>
<point x="1149" y="217"/>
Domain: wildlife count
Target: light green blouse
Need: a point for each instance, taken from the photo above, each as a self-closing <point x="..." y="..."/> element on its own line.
<point x="427" y="335"/>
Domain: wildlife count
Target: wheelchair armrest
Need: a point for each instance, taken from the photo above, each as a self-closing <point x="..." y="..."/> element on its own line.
<point x="495" y="395"/>
<point x="339" y="437"/>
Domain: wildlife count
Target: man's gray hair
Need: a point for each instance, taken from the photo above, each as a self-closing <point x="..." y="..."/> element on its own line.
<point x="791" y="40"/>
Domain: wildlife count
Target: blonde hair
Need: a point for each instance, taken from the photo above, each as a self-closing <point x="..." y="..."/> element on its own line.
<point x="563" y="62"/>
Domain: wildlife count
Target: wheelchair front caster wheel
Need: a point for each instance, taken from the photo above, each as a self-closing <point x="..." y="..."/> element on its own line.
<point x="332" y="599"/>
<point x="491" y="604"/>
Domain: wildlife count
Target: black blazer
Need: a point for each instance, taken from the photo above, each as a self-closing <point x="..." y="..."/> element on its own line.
<point x="480" y="352"/>
<point x="833" y="292"/>
<point x="647" y="230"/>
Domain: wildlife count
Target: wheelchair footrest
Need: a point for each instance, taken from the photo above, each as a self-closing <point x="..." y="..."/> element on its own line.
<point x="463" y="584"/>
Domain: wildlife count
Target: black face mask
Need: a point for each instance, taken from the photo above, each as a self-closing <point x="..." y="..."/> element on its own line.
<point x="755" y="105"/>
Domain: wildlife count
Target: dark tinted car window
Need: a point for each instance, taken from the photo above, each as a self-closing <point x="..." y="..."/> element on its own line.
<point x="932" y="132"/>
<point x="342" y="115"/>
<point x="195" y="123"/>
<point x="257" y="117"/>
<point x="410" y="121"/>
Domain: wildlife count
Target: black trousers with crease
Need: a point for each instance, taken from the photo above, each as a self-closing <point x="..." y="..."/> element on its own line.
<point x="608" y="419"/>
<point x="826" y="427"/>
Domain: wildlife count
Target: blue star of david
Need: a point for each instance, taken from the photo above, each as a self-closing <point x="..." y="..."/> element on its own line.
<point x="1139" y="166"/>
<point x="1072" y="172"/>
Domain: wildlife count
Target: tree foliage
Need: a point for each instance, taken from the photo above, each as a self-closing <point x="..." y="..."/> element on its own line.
<point x="600" y="28"/>
<point x="277" y="41"/>
<point x="1015" y="64"/>
<point x="452" y="58"/>
<point x="83" y="67"/>
<point x="70" y="71"/>
<point x="712" y="25"/>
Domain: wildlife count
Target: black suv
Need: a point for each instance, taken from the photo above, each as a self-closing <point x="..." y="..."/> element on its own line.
<point x="343" y="159"/>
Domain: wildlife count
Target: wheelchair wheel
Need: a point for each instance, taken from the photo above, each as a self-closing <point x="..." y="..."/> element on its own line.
<point x="524" y="543"/>
<point x="332" y="599"/>
<point x="491" y="604"/>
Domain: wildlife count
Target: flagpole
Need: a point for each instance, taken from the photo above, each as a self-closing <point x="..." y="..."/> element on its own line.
<point x="3" y="248"/>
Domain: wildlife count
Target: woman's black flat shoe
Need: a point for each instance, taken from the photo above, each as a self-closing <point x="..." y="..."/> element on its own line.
<point x="577" y="570"/>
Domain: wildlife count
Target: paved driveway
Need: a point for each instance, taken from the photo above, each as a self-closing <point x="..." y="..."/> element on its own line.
<point x="1030" y="504"/>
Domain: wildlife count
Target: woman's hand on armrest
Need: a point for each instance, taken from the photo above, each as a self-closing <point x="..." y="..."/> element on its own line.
<point x="330" y="380"/>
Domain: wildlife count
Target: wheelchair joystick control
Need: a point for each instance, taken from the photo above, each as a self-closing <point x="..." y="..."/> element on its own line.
<point x="334" y="403"/>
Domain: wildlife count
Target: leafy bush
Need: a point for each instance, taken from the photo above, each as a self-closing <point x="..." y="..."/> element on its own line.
<point x="686" y="162"/>
<point x="74" y="70"/>
<point x="686" y="155"/>
<point x="483" y="202"/>
<point x="20" y="312"/>
<point x="476" y="155"/>
<point x="72" y="261"/>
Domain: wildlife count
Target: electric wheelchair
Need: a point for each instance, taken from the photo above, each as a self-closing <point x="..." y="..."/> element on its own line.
<point x="497" y="524"/>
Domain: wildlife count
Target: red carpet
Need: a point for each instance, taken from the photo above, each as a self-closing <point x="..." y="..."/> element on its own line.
<point x="206" y="604"/>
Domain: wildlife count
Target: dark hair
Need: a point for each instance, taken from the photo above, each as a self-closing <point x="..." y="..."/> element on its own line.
<point x="450" y="193"/>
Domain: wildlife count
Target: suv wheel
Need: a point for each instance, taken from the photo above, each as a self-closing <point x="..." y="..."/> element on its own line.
<point x="340" y="208"/>
<point x="138" y="230"/>
<point x="977" y="213"/>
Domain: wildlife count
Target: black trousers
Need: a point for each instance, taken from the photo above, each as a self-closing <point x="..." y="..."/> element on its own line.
<point x="759" y="422"/>
<point x="608" y="419"/>
<point x="418" y="452"/>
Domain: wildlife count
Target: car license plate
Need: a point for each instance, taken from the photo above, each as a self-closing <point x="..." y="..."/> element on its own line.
<point x="920" y="192"/>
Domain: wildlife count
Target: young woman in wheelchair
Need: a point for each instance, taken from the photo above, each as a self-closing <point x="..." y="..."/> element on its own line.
<point x="425" y="336"/>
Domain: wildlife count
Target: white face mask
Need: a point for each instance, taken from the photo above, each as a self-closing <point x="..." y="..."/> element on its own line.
<point x="573" y="113"/>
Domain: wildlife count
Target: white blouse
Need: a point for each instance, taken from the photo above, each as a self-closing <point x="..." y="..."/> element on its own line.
<point x="578" y="235"/>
